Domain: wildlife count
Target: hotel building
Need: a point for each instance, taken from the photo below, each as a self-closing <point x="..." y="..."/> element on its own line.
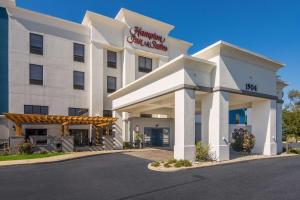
<point x="130" y="68"/>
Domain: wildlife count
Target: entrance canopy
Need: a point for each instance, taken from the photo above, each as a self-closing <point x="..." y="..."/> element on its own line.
<point x="180" y="73"/>
<point x="20" y="119"/>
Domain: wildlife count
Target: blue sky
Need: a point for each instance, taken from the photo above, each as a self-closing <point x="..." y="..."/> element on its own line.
<point x="268" y="27"/>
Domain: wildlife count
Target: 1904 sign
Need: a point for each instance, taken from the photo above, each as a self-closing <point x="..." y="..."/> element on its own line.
<point x="251" y="87"/>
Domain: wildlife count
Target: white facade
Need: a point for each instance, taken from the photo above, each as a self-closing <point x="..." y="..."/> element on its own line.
<point x="211" y="82"/>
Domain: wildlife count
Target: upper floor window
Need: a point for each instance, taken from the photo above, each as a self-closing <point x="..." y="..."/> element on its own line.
<point x="36" y="74"/>
<point x="146" y="115"/>
<point x="78" y="111"/>
<point x="111" y="59"/>
<point x="33" y="109"/>
<point x="107" y="113"/>
<point x="78" y="80"/>
<point x="36" y="44"/>
<point x="111" y="84"/>
<point x="145" y="64"/>
<point x="78" y="52"/>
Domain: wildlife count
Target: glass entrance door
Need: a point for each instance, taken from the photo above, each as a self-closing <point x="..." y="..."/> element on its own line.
<point x="156" y="137"/>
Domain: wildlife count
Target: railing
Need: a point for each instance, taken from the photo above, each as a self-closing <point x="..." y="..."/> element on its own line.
<point x="4" y="144"/>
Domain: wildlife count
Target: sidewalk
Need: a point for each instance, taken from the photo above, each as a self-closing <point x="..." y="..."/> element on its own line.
<point x="67" y="156"/>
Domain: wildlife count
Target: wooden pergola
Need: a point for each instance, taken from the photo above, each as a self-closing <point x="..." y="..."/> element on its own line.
<point x="64" y="121"/>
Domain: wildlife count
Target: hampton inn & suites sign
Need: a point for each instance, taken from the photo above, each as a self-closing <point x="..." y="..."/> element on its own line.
<point x="137" y="35"/>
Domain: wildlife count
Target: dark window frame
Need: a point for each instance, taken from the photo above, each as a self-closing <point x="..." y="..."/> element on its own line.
<point x="31" y="109"/>
<point x="37" y="132"/>
<point x="77" y="86"/>
<point x="107" y="113"/>
<point x="143" y="115"/>
<point x="78" y="58"/>
<point x="72" y="111"/>
<point x="33" y="81"/>
<point x="36" y="49"/>
<point x="143" y="61"/>
<point x="109" y="89"/>
<point x="112" y="63"/>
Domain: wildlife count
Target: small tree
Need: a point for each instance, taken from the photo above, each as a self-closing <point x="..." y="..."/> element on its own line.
<point x="243" y="140"/>
<point x="138" y="139"/>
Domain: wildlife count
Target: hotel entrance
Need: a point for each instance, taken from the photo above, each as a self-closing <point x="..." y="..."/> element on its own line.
<point x="157" y="137"/>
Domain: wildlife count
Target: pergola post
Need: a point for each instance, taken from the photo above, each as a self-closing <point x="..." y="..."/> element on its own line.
<point x="97" y="134"/>
<point x="66" y="129"/>
<point x="18" y="129"/>
<point x="62" y="129"/>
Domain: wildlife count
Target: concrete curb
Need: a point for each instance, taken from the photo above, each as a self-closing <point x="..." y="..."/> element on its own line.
<point x="216" y="163"/>
<point x="64" y="157"/>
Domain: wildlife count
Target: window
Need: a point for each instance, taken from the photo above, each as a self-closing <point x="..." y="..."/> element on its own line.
<point x="33" y="109"/>
<point x="36" y="44"/>
<point x="39" y="135"/>
<point x="78" y="52"/>
<point x="111" y="59"/>
<point x="145" y="64"/>
<point x="78" y="80"/>
<point x="78" y="111"/>
<point x="111" y="84"/>
<point x="107" y="113"/>
<point x="146" y="115"/>
<point x="36" y="74"/>
<point x="237" y="118"/>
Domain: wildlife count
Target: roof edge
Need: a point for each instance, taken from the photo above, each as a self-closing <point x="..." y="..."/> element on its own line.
<point x="221" y="43"/>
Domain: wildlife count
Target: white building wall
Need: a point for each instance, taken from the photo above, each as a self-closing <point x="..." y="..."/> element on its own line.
<point x="96" y="79"/>
<point x="57" y="91"/>
<point x="114" y="72"/>
<point x="235" y="73"/>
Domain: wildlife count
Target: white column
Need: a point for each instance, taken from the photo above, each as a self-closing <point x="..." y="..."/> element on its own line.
<point x="215" y="127"/>
<point x="125" y="127"/>
<point x="279" y="127"/>
<point x="264" y="127"/>
<point x="184" y="147"/>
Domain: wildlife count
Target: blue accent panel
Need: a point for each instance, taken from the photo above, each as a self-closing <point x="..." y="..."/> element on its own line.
<point x="233" y="116"/>
<point x="3" y="60"/>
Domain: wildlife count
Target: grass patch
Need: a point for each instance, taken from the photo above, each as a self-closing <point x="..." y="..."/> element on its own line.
<point x="29" y="156"/>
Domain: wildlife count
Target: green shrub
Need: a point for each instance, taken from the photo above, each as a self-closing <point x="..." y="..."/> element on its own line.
<point x="172" y="161"/>
<point x="167" y="165"/>
<point x="202" y="152"/>
<point x="127" y="145"/>
<point x="155" y="164"/>
<point x="243" y="140"/>
<point x="295" y="151"/>
<point x="182" y="163"/>
<point x="25" y="148"/>
<point x="5" y="152"/>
